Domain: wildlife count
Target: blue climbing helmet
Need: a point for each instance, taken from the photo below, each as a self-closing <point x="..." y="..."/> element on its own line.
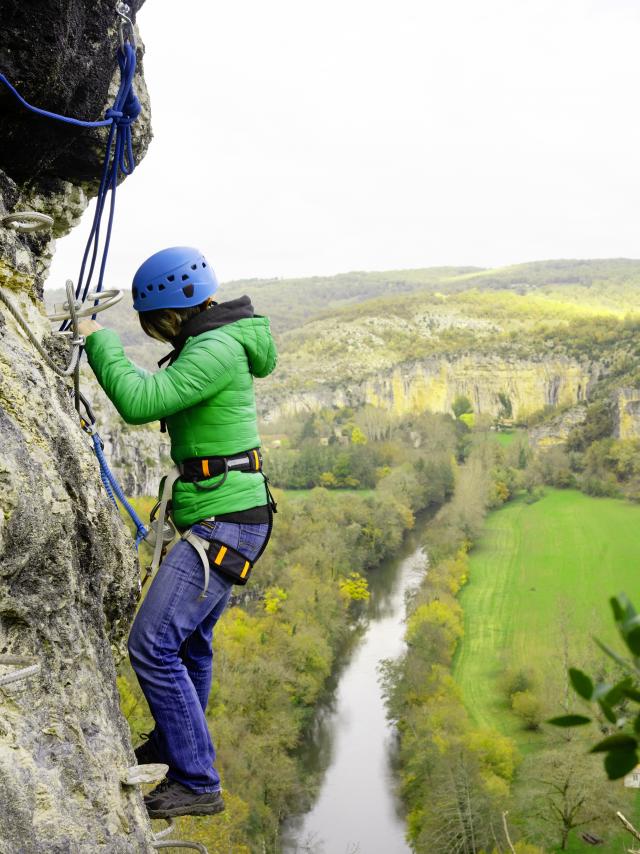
<point x="178" y="277"/>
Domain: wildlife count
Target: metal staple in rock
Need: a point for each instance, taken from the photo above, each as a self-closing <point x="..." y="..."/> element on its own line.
<point x="32" y="667"/>
<point x="26" y="221"/>
<point x="180" y="843"/>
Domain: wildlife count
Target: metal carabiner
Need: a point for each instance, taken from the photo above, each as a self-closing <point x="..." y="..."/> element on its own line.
<point x="123" y="10"/>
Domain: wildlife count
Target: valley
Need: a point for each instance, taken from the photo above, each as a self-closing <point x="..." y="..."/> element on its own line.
<point x="511" y="392"/>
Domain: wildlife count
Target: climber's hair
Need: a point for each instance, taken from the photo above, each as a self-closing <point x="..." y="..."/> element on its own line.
<point x="164" y="324"/>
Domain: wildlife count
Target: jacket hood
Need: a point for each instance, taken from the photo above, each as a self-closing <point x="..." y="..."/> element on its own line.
<point x="218" y="315"/>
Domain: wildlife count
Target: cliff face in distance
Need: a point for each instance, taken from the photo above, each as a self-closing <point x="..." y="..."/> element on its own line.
<point x="434" y="383"/>
<point x="414" y="340"/>
<point x="68" y="571"/>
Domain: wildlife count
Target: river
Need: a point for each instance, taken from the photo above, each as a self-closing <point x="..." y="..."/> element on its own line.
<point x="356" y="811"/>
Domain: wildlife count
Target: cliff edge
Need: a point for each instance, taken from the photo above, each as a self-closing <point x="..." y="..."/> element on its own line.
<point x="68" y="570"/>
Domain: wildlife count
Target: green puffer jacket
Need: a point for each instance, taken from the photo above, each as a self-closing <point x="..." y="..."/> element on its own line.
<point x="206" y="397"/>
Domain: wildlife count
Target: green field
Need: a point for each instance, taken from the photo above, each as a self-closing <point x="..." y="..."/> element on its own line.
<point x="542" y="573"/>
<point x="507" y="437"/>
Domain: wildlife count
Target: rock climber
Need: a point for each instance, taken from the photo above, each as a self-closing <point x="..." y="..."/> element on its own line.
<point x="206" y="398"/>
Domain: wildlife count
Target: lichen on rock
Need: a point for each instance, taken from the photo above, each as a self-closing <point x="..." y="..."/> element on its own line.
<point x="68" y="569"/>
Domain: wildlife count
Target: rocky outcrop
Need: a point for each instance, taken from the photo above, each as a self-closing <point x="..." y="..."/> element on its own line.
<point x="68" y="570"/>
<point x="555" y="431"/>
<point x="628" y="410"/>
<point x="139" y="458"/>
<point x="434" y="383"/>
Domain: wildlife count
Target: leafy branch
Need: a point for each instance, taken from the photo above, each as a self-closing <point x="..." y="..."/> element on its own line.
<point x="621" y="748"/>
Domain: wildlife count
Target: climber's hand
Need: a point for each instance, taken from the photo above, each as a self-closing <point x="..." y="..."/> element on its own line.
<point x="86" y="327"/>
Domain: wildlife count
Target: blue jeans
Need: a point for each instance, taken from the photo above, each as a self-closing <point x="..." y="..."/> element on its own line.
<point x="171" y="653"/>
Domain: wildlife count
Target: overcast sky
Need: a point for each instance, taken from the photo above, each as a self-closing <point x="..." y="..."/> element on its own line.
<point x="301" y="138"/>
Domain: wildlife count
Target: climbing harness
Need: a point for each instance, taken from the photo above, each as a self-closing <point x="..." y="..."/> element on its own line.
<point x="203" y="468"/>
<point x="161" y="533"/>
<point x="226" y="560"/>
<point x="118" y="161"/>
<point x="27" y="665"/>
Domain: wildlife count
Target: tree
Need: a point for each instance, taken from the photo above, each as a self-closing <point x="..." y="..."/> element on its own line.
<point x="506" y="407"/>
<point x="461" y="406"/>
<point x="528" y="708"/>
<point x="570" y="791"/>
<point x="461" y="814"/>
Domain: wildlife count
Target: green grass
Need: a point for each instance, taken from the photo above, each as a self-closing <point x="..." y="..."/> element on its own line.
<point x="537" y="569"/>
<point x="506" y="437"/>
<point x="543" y="573"/>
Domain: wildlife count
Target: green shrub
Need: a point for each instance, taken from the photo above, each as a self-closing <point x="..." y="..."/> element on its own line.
<point x="528" y="708"/>
<point x="516" y="680"/>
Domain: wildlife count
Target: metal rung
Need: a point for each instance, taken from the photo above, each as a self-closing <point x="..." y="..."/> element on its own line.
<point x="180" y="843"/>
<point x="26" y="221"/>
<point x="153" y="773"/>
<point x="162" y="833"/>
<point x="138" y="774"/>
<point x="106" y="299"/>
<point x="32" y="666"/>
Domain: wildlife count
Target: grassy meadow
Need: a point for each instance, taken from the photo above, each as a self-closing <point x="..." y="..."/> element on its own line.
<point x="542" y="573"/>
<point x="540" y="579"/>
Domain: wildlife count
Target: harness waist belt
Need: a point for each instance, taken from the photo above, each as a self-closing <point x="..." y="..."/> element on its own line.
<point x="203" y="468"/>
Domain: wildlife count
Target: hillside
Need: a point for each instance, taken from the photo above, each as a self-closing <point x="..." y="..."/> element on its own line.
<point x="540" y="335"/>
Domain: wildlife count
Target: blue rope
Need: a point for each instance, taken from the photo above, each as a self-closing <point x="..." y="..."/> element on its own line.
<point x="114" y="490"/>
<point x="118" y="160"/>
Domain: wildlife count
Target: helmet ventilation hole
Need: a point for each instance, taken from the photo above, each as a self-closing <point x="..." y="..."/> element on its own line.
<point x="160" y="287"/>
<point x="143" y="295"/>
<point x="171" y="278"/>
<point x="185" y="277"/>
<point x="188" y="290"/>
<point x="203" y="264"/>
<point x="193" y="266"/>
<point x="149" y="287"/>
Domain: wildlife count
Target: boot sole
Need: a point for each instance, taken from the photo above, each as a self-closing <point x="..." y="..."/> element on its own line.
<point x="195" y="809"/>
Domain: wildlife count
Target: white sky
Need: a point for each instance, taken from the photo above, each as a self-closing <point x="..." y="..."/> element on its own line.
<point x="302" y="138"/>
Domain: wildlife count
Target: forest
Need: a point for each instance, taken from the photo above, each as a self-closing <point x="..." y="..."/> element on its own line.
<point x="350" y="479"/>
<point x="276" y="645"/>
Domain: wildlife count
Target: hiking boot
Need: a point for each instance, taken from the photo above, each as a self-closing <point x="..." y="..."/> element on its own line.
<point x="170" y="799"/>
<point x="146" y="753"/>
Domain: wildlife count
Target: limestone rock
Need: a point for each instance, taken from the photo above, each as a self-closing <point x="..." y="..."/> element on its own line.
<point x="628" y="409"/>
<point x="433" y="383"/>
<point x="555" y="430"/>
<point x="68" y="571"/>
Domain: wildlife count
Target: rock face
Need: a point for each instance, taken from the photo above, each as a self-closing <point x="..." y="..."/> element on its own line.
<point x="556" y="430"/>
<point x="68" y="571"/>
<point x="628" y="408"/>
<point x="433" y="384"/>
